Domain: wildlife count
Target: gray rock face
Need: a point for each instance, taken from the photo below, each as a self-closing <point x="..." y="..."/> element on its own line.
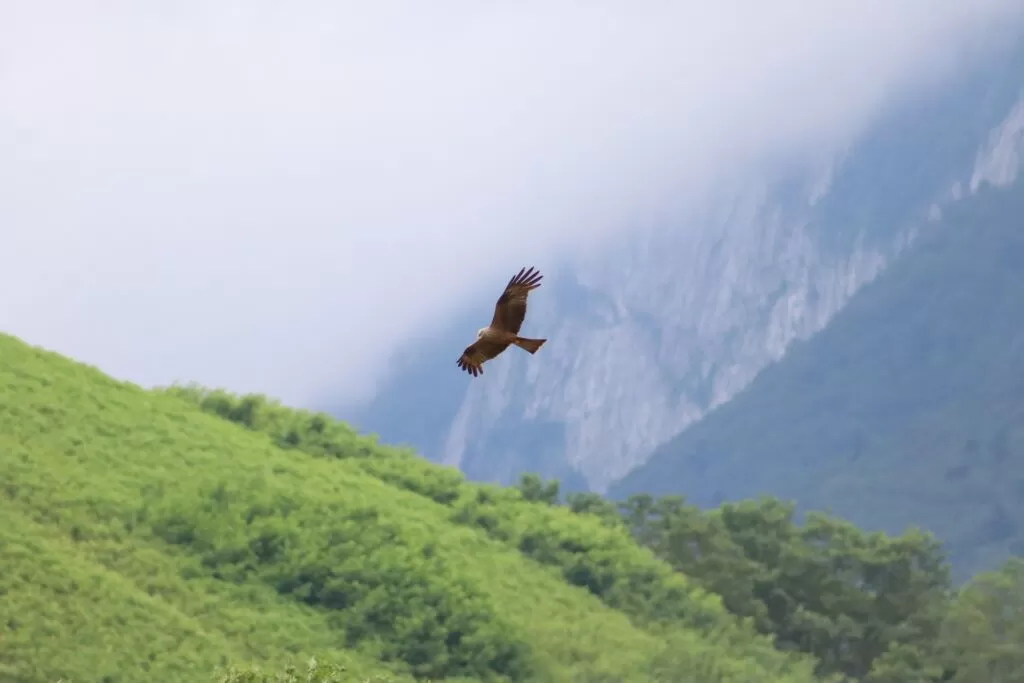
<point x="999" y="161"/>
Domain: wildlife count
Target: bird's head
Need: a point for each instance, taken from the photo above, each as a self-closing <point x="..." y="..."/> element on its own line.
<point x="480" y="332"/>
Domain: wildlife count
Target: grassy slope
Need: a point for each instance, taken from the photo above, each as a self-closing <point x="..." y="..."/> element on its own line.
<point x="129" y="615"/>
<point x="588" y="553"/>
<point x="99" y="476"/>
<point x="906" y="410"/>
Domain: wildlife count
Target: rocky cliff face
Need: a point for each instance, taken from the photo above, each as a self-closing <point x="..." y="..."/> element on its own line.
<point x="1000" y="160"/>
<point x="675" y="324"/>
<point x="647" y="335"/>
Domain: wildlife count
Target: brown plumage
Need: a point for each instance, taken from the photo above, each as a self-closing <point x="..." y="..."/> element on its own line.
<point x="509" y="313"/>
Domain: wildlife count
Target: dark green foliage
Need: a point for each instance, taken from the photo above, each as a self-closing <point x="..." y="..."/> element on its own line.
<point x="983" y="636"/>
<point x="383" y="588"/>
<point x="594" y="504"/>
<point x="600" y="558"/>
<point x="535" y="489"/>
<point x="826" y="588"/>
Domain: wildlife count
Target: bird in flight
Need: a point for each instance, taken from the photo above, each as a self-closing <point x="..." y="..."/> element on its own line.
<point x="509" y="313"/>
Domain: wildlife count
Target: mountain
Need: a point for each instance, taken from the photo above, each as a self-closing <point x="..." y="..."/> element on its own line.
<point x="649" y="334"/>
<point x="157" y="535"/>
<point x="908" y="408"/>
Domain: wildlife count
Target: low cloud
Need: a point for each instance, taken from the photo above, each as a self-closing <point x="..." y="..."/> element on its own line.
<point x="274" y="196"/>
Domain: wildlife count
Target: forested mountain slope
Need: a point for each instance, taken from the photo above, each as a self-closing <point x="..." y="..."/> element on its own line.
<point x="908" y="409"/>
<point x="145" y="540"/>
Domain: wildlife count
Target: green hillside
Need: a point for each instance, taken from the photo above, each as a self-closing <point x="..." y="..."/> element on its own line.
<point x="907" y="409"/>
<point x="144" y="539"/>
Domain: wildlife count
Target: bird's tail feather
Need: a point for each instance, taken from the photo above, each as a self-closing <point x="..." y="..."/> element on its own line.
<point x="529" y="345"/>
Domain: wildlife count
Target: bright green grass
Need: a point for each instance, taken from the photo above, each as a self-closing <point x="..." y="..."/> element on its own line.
<point x="105" y="611"/>
<point x="143" y="540"/>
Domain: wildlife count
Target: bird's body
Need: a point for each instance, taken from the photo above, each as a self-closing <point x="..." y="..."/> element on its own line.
<point x="509" y="313"/>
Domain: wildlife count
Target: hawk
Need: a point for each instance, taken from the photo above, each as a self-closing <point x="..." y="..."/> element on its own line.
<point x="509" y="312"/>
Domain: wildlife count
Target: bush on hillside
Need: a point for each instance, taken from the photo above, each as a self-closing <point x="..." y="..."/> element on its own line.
<point x="389" y="594"/>
<point x="319" y="434"/>
<point x="315" y="672"/>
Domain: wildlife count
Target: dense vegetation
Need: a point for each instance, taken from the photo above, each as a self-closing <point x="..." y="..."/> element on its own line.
<point x="865" y="605"/>
<point x="908" y="408"/>
<point x="981" y="640"/>
<point x="177" y="534"/>
<point x="146" y="540"/>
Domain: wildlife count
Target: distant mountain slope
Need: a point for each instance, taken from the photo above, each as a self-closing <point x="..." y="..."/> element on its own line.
<point x="907" y="409"/>
<point x="144" y="540"/>
<point x="649" y="333"/>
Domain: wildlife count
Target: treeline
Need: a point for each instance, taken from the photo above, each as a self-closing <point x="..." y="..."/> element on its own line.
<point x="866" y="606"/>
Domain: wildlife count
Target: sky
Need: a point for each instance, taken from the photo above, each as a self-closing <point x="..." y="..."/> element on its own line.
<point x="274" y="197"/>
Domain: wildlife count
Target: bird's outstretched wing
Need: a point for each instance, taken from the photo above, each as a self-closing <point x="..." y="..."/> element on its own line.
<point x="510" y="310"/>
<point x="477" y="353"/>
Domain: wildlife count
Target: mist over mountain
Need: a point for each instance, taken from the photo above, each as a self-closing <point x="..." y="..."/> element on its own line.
<point x="649" y="334"/>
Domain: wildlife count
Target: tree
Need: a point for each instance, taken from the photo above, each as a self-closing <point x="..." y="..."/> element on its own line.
<point x="536" y="489"/>
<point x="827" y="588"/>
<point x="983" y="636"/>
